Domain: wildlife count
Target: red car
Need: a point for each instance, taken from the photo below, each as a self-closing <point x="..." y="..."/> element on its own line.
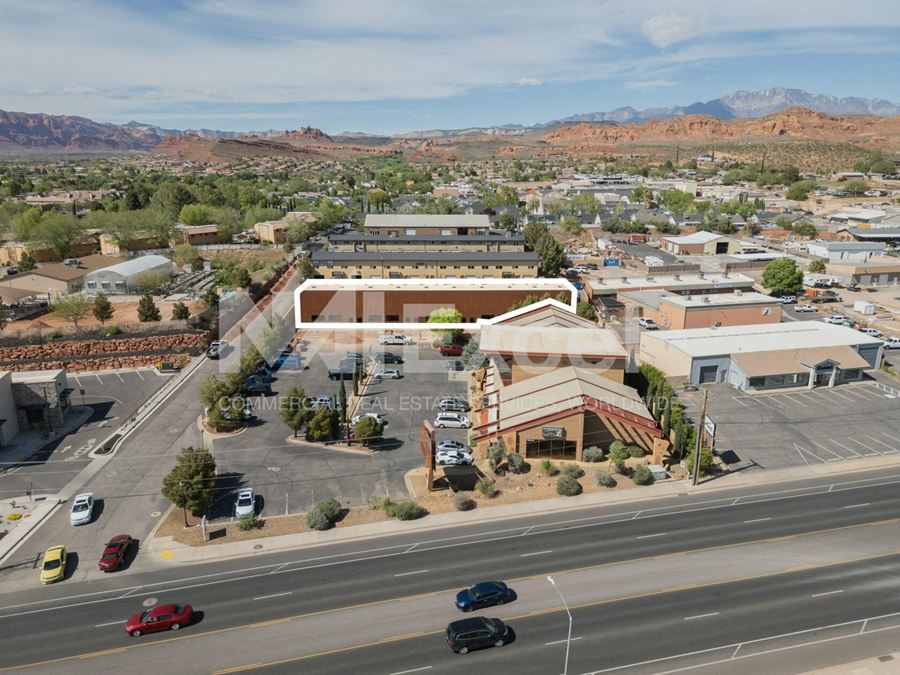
<point x="450" y="350"/>
<point x="161" y="617"/>
<point x="114" y="553"/>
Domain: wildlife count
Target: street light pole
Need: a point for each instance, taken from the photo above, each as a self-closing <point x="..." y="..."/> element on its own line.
<point x="183" y="502"/>
<point x="569" y="636"/>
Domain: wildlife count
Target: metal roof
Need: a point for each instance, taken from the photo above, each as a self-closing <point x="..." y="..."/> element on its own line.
<point x="550" y="340"/>
<point x="424" y="238"/>
<point x="137" y="265"/>
<point x="425" y="220"/>
<point x="477" y="257"/>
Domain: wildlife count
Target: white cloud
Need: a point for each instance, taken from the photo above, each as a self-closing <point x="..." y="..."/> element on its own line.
<point x="667" y="29"/>
<point x="530" y="82"/>
<point x="647" y="85"/>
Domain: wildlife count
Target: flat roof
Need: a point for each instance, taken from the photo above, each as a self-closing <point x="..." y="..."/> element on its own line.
<point x="848" y="245"/>
<point x="701" y="237"/>
<point x="683" y="282"/>
<point x="726" y="340"/>
<point x="425" y="220"/>
<point x="874" y="232"/>
<point x="550" y="340"/>
<point x="62" y="272"/>
<point x="425" y="238"/>
<point x="720" y="299"/>
<point x="28" y="376"/>
<point x="426" y="256"/>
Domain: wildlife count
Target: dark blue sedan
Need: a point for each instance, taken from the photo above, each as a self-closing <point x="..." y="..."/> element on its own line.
<point x="484" y="594"/>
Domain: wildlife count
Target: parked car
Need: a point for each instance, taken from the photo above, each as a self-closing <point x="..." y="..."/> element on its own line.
<point x="591" y="266"/>
<point x="874" y="332"/>
<point x="288" y="359"/>
<point x="467" y="634"/>
<point x="788" y="299"/>
<point x="53" y="567"/>
<point x="648" y="324"/>
<point x="453" y="404"/>
<point x="114" y="553"/>
<point x="161" y="617"/>
<point x="819" y="299"/>
<point x="253" y="386"/>
<point x="378" y="417"/>
<point x="264" y="374"/>
<point x="217" y="348"/>
<point x="354" y="356"/>
<point x="245" y="504"/>
<point x="450" y="350"/>
<point x="835" y="319"/>
<point x="387" y="357"/>
<point x="805" y="308"/>
<point x="321" y="402"/>
<point x="454" y="457"/>
<point x="483" y="594"/>
<point x="450" y="445"/>
<point x="10" y="271"/>
<point x="388" y="374"/>
<point x="388" y="339"/>
<point x="455" y="366"/>
<point x="892" y="343"/>
<point x="451" y="420"/>
<point x="82" y="509"/>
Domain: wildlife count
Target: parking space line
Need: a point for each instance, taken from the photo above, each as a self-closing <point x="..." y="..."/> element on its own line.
<point x="741" y="403"/>
<point x="765" y="405"/>
<point x="875" y="451"/>
<point x="78" y="381"/>
<point x="800" y="451"/>
<point x="831" y="451"/>
<point x="789" y="397"/>
<point x="858" y="454"/>
<point x="98" y="378"/>
<point x="841" y="395"/>
<point x="120" y="376"/>
<point x="872" y="438"/>
<point x="138" y="373"/>
<point x="858" y="392"/>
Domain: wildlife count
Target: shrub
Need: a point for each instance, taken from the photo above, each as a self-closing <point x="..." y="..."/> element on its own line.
<point x="568" y="486"/>
<point x="331" y="507"/>
<point x="381" y="503"/>
<point x="408" y="511"/>
<point x="494" y="456"/>
<point x="14" y="516"/>
<point x="549" y="467"/>
<point x="53" y="335"/>
<point x="642" y="475"/>
<point x="592" y="454"/>
<point x="572" y="470"/>
<point x="605" y="479"/>
<point x="463" y="502"/>
<point x="487" y="487"/>
<point x="617" y="446"/>
<point x="706" y="461"/>
<point x="636" y="451"/>
<point x="248" y="521"/>
<point x="317" y="520"/>
<point x="618" y="453"/>
<point x="112" y="330"/>
<point x="516" y="462"/>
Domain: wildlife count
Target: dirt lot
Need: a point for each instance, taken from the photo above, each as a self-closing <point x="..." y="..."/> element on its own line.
<point x="124" y="312"/>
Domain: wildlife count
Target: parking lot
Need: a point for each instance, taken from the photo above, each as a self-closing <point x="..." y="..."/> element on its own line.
<point x="291" y="477"/>
<point x="803" y="427"/>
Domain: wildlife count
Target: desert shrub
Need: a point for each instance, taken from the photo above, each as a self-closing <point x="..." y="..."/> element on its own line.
<point x="331" y="507"/>
<point x="486" y="486"/>
<point x="617" y="446"/>
<point x="463" y="502"/>
<point x="248" y="521"/>
<point x="494" y="455"/>
<point x="642" y="475"/>
<point x="53" y="335"/>
<point x="324" y="514"/>
<point x="516" y="462"/>
<point x="618" y="453"/>
<point x="549" y="467"/>
<point x="593" y="454"/>
<point x="572" y="470"/>
<point x="112" y="330"/>
<point x="706" y="461"/>
<point x="408" y="511"/>
<point x="14" y="516"/>
<point x="636" y="451"/>
<point x="568" y="486"/>
<point x="381" y="503"/>
<point x="605" y="479"/>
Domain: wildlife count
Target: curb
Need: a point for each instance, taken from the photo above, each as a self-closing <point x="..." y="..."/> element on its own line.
<point x="11" y="542"/>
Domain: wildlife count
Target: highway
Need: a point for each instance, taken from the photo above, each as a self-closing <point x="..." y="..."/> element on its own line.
<point x="586" y="549"/>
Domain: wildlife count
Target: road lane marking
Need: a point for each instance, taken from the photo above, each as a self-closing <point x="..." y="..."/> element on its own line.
<point x="649" y="536"/>
<point x="819" y="595"/>
<point x="856" y="506"/>
<point x="562" y="642"/>
<point x="273" y="595"/>
<point x="111" y="623"/>
<point x="413" y="670"/>
<point x="279" y="568"/>
<point x="525" y="555"/>
<point x="701" y="616"/>
<point x="406" y="574"/>
<point x="757" y="520"/>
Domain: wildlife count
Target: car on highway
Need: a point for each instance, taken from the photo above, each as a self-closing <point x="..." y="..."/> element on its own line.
<point x="805" y="308"/>
<point x="483" y="594"/>
<point x="454" y="457"/>
<point x="53" y="567"/>
<point x="245" y="503"/>
<point x="892" y="343"/>
<point x="161" y="617"/>
<point x="82" y="509"/>
<point x="114" y="553"/>
<point x="872" y="332"/>
<point x="648" y="324"/>
<point x="476" y="632"/>
<point x="451" y="420"/>
<point x="835" y="319"/>
<point x="217" y="348"/>
<point x="378" y="417"/>
<point x="453" y="404"/>
<point x="449" y="445"/>
<point x="450" y="350"/>
<point x="388" y="374"/>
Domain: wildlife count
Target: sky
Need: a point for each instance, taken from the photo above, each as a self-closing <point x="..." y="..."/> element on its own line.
<point x="386" y="66"/>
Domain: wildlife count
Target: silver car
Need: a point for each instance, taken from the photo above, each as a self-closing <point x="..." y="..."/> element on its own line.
<point x="451" y="420"/>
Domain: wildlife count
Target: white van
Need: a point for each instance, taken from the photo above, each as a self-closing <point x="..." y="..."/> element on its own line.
<point x="388" y="339"/>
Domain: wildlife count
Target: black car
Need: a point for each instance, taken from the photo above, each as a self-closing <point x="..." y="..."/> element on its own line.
<point x="455" y="366"/>
<point x="467" y="634"/>
<point x="255" y="387"/>
<point x="388" y="357"/>
<point x="484" y="594"/>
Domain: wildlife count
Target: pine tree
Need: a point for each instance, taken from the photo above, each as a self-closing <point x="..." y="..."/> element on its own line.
<point x="147" y="309"/>
<point x="103" y="309"/>
<point x="342" y="403"/>
<point x="678" y="445"/>
<point x="26" y="262"/>
<point x="667" y="417"/>
<point x="180" y="311"/>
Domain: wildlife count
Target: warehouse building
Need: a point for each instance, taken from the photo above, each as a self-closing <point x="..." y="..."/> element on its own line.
<point x="801" y="354"/>
<point x="702" y="243"/>
<point x="55" y="279"/>
<point x="130" y="275"/>
<point x="427" y="265"/>
<point x="677" y="312"/>
<point x="878" y="271"/>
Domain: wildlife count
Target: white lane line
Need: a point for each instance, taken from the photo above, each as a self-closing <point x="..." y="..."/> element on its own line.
<point x="872" y="438"/>
<point x="525" y="555"/>
<point x="279" y="568"/>
<point x="757" y="520"/>
<point x="701" y="616"/>
<point x="138" y="373"/>
<point x="111" y="623"/>
<point x="528" y="530"/>
<point x="636" y="515"/>
<point x="98" y="379"/>
<point x="132" y="591"/>
<point x="406" y="574"/>
<point x="274" y="595"/>
<point x="411" y="547"/>
<point x="836" y="456"/>
<point x="120" y="376"/>
<point x="856" y="506"/>
<point x="414" y="670"/>
<point x="562" y="642"/>
<point x="819" y="595"/>
<point x="849" y="449"/>
<point x="648" y="536"/>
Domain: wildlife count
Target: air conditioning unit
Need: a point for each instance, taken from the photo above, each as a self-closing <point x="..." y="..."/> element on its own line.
<point x="700" y="275"/>
<point x="738" y="292"/>
<point x="677" y="277"/>
<point x="706" y="299"/>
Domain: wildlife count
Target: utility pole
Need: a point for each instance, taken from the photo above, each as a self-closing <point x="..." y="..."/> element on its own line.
<point x="700" y="428"/>
<point x="569" y="637"/>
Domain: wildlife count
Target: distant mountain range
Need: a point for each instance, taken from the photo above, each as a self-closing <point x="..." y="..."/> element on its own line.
<point x="41" y="133"/>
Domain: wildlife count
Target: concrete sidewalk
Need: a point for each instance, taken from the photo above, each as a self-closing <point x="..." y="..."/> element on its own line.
<point x="32" y="510"/>
<point x="27" y="443"/>
<point x="174" y="552"/>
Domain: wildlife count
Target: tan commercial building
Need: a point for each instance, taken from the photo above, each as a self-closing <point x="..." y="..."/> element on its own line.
<point x="496" y="243"/>
<point x="702" y="243"/>
<point x="55" y="279"/>
<point x="275" y="231"/>
<point x="676" y="312"/>
<point x="196" y="235"/>
<point x="11" y="252"/>
<point x="877" y="271"/>
<point x="109" y="246"/>
<point x="404" y="225"/>
<point x="425" y="265"/>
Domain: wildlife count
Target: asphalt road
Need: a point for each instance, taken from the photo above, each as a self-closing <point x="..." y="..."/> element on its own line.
<point x="84" y="616"/>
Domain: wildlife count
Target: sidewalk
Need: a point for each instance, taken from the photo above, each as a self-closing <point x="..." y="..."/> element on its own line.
<point x="174" y="552"/>
<point x="27" y="443"/>
<point x="32" y="510"/>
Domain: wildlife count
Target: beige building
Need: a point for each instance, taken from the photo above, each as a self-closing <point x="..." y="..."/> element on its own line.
<point x="195" y="235"/>
<point x="426" y="265"/>
<point x="109" y="246"/>
<point x="702" y="243"/>
<point x="355" y="241"/>
<point x="11" y="252"/>
<point x="41" y="398"/>
<point x="403" y="225"/>
<point x="275" y="231"/>
<point x="55" y="279"/>
<point x="9" y="422"/>
<point x="676" y="312"/>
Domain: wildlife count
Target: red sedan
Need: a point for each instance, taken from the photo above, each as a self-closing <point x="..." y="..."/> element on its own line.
<point x="161" y="617"/>
<point x="114" y="553"/>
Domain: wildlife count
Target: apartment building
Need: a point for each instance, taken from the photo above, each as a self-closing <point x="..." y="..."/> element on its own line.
<point x="425" y="264"/>
<point x="411" y="225"/>
<point x="496" y="243"/>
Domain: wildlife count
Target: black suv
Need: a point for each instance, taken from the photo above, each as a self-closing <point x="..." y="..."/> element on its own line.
<point x="468" y="634"/>
<point x="388" y="357"/>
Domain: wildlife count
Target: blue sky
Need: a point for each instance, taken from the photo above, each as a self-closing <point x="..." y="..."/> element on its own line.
<point x="390" y="65"/>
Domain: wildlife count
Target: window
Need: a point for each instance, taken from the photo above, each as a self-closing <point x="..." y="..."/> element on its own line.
<point x="393" y="318"/>
<point x="410" y="232"/>
<point x="851" y="374"/>
<point x="446" y="233"/>
<point x="757" y="382"/>
<point x="774" y="380"/>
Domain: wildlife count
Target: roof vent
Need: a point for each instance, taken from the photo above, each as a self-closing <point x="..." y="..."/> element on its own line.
<point x="700" y="275"/>
<point x="738" y="292"/>
<point x="707" y="299"/>
<point x="677" y="277"/>
<point x="687" y="298"/>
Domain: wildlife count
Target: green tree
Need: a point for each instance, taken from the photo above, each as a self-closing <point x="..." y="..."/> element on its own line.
<point x="667" y="417"/>
<point x="233" y="275"/>
<point x="817" y="266"/>
<point x="641" y="195"/>
<point x="571" y="224"/>
<point x="799" y="190"/>
<point x="198" y="214"/>
<point x="147" y="309"/>
<point x="342" y="403"/>
<point x="170" y="197"/>
<point x="322" y="426"/>
<point x="185" y="254"/>
<point x="103" y="309"/>
<point x="446" y="315"/>
<point x="180" y="312"/>
<point x="782" y="277"/>
<point x="61" y="234"/>
<point x="856" y="187"/>
<point x="678" y="441"/>
<point x="3" y="319"/>
<point x="586" y="310"/>
<point x="533" y="232"/>
<point x="212" y="389"/>
<point x="552" y="255"/>
<point x="72" y="308"/>
<point x="26" y="262"/>
<point x="507" y="221"/>
<point x="191" y="482"/>
<point x="368" y="428"/>
<point x="804" y="228"/>
<point x="295" y="410"/>
<point x="378" y="200"/>
<point x="305" y="266"/>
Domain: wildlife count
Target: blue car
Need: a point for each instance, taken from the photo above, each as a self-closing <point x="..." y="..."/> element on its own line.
<point x="483" y="594"/>
<point x="264" y="375"/>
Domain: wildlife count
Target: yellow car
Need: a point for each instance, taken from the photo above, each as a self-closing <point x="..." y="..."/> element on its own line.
<point x="54" y="567"/>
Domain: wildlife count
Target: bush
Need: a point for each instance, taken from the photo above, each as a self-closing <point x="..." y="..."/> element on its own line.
<point x="516" y="462"/>
<point x="112" y="330"/>
<point x="642" y="475"/>
<point x="249" y="521"/>
<point x="14" y="516"/>
<point x="605" y="479"/>
<point x="381" y="504"/>
<point x="408" y="511"/>
<point x="463" y="502"/>
<point x="617" y="446"/>
<point x="53" y="335"/>
<point x="323" y="515"/>
<point x="593" y="454"/>
<point x="549" y="467"/>
<point x="487" y="487"/>
<point x="706" y="461"/>
<point x="572" y="471"/>
<point x="331" y="507"/>
<point x="636" y="451"/>
<point x="568" y="486"/>
<point x="494" y="456"/>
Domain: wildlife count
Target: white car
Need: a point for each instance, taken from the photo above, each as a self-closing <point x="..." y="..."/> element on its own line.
<point x="386" y="339"/>
<point x="892" y="343"/>
<point x="452" y="457"/>
<point x="82" y="509"/>
<point x="874" y="332"/>
<point x="805" y="308"/>
<point x="388" y="374"/>
<point x="451" y="420"/>
<point x="453" y="446"/>
<point x="788" y="299"/>
<point x="648" y="324"/>
<point x="835" y="318"/>
<point x="375" y="416"/>
<point x="321" y="402"/>
<point x="245" y="504"/>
